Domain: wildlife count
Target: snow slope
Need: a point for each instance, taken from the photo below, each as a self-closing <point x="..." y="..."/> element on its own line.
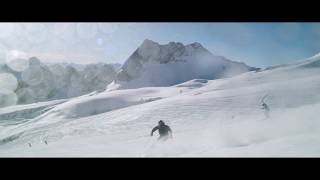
<point x="209" y="118"/>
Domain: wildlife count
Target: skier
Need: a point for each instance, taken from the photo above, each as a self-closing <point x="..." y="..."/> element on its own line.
<point x="164" y="131"/>
<point x="265" y="106"/>
<point x="266" y="109"/>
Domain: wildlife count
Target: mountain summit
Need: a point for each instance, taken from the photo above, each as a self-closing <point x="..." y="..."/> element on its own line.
<point x="153" y="64"/>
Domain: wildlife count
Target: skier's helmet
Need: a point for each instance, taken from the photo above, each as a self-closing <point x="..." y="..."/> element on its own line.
<point x="161" y="122"/>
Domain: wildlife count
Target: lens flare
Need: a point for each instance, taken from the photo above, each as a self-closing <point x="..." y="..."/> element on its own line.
<point x="100" y="41"/>
<point x="7" y="98"/>
<point x="86" y="30"/>
<point x="8" y="82"/>
<point x="32" y="76"/>
<point x="3" y="53"/>
<point x="17" y="60"/>
<point x="108" y="27"/>
<point x="26" y="95"/>
<point x="64" y="31"/>
<point x="42" y="90"/>
<point x="36" y="32"/>
<point x="61" y="28"/>
<point x="6" y="29"/>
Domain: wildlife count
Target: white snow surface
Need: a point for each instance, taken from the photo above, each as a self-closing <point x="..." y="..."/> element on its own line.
<point x="215" y="118"/>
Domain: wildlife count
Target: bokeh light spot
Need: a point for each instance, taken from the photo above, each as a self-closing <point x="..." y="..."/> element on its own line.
<point x="8" y="82"/>
<point x="108" y="27"/>
<point x="32" y="76"/>
<point x="7" y="98"/>
<point x="17" y="60"/>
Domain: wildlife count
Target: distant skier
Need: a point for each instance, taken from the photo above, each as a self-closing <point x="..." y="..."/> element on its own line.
<point x="164" y="131"/>
<point x="265" y="107"/>
<point x="266" y="110"/>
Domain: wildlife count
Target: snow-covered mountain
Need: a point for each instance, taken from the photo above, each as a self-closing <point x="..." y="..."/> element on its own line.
<point x="44" y="82"/>
<point x="220" y="117"/>
<point x="153" y="64"/>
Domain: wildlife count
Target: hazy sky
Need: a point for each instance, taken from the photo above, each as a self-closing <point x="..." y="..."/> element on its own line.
<point x="256" y="44"/>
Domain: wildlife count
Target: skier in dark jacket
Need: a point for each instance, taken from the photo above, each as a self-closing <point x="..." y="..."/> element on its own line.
<point x="164" y="131"/>
<point x="266" y="110"/>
